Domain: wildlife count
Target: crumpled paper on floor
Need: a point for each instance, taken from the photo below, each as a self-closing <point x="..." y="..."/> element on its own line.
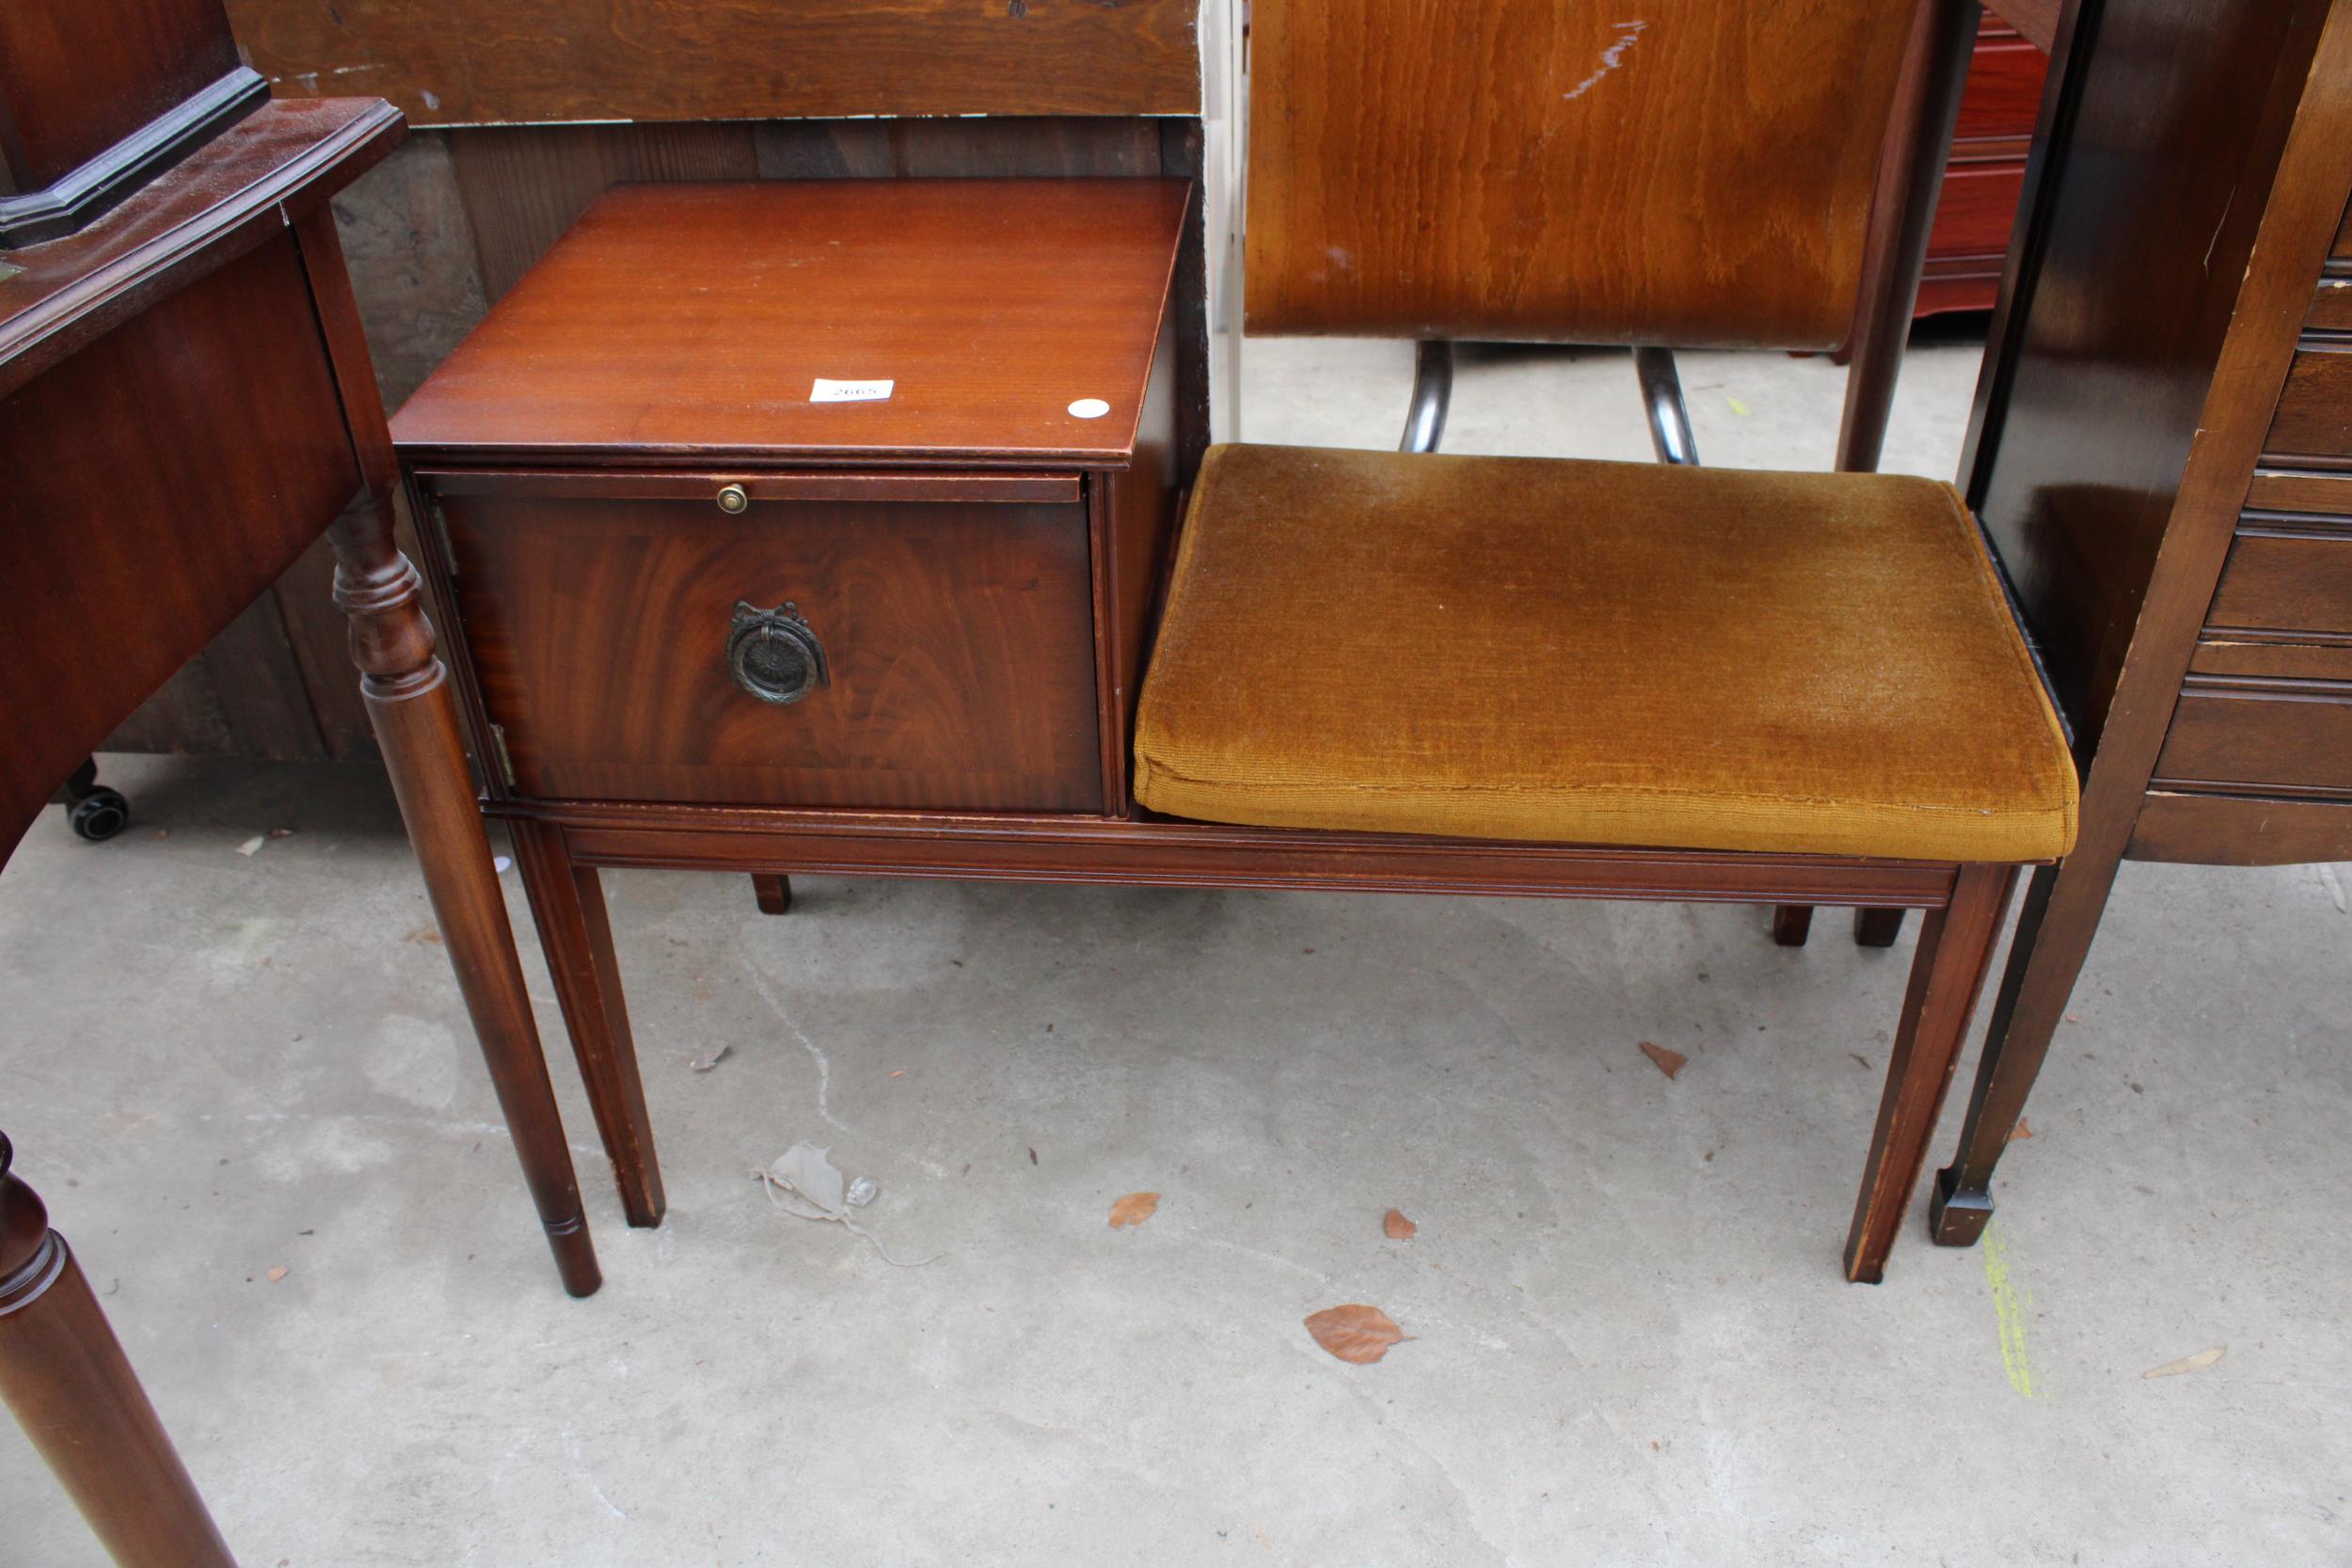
<point x="804" y="1182"/>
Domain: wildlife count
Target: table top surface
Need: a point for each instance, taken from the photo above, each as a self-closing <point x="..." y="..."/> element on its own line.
<point x="703" y="322"/>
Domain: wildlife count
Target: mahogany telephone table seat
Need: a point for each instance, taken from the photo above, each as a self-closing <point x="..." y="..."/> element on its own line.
<point x="821" y="527"/>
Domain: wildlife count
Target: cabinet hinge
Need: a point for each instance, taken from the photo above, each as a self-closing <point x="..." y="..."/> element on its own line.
<point x="505" y="758"/>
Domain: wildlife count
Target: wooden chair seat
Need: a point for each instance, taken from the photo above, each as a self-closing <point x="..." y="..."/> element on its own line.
<point x="1597" y="653"/>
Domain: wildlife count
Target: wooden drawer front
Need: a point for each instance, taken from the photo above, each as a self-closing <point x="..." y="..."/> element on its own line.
<point x="1977" y="208"/>
<point x="2004" y="93"/>
<point x="2240" y="830"/>
<point x="2285" y="577"/>
<point x="2314" y="418"/>
<point x="958" y="635"/>
<point x="2331" y="308"/>
<point x="2285" y="490"/>
<point x="2272" y="734"/>
<point x="2220" y="653"/>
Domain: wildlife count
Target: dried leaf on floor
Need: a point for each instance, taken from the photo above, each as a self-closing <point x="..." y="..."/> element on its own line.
<point x="424" y="936"/>
<point x="2197" y="1363"/>
<point x="277" y="1273"/>
<point x="1357" y="1334"/>
<point x="1669" y="1062"/>
<point x="704" y="1064"/>
<point x="282" y="833"/>
<point x="1397" y="1228"/>
<point x="900" y="1073"/>
<point x="1134" y="1209"/>
<point x="2023" y="1130"/>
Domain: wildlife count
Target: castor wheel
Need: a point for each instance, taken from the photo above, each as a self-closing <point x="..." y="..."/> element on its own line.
<point x="97" y="813"/>
<point x="100" y="814"/>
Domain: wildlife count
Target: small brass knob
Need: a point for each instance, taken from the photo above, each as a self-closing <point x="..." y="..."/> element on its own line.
<point x="732" y="500"/>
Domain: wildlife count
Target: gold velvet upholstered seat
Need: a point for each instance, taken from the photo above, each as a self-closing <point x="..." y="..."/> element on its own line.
<point x="1597" y="653"/>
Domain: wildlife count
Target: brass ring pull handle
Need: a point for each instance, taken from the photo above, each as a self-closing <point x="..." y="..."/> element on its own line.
<point x="774" y="654"/>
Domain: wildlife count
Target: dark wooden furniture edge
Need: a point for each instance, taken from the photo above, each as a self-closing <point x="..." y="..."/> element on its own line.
<point x="65" y="206"/>
<point x="206" y="230"/>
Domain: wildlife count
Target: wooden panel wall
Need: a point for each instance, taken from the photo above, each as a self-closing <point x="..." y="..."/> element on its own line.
<point x="460" y="62"/>
<point x="523" y="186"/>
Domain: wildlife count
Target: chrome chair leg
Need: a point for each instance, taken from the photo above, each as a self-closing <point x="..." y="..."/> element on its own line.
<point x="1661" y="396"/>
<point x="1433" y="389"/>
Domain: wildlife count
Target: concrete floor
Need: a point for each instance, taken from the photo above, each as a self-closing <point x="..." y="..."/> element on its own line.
<point x="1632" y="1341"/>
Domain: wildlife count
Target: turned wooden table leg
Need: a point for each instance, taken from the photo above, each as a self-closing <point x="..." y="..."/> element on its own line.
<point x="407" y="696"/>
<point x="567" y="902"/>
<point x="1955" y="952"/>
<point x="2055" y="927"/>
<point x="64" y="1375"/>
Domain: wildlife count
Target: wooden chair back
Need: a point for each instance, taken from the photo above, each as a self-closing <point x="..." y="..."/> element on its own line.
<point x="1681" y="172"/>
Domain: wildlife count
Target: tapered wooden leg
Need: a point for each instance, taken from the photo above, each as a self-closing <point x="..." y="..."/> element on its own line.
<point x="1877" y="927"/>
<point x="2055" y="927"/>
<point x="774" y="893"/>
<point x="567" y="902"/>
<point x="408" y="698"/>
<point x="63" y="1374"/>
<point x="1791" y="923"/>
<point x="1955" y="952"/>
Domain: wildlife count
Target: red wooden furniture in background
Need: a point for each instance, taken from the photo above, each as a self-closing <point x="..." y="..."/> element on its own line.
<point x="1987" y="168"/>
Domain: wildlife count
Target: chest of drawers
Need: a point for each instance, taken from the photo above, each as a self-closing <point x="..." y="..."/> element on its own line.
<point x="2257" y="762"/>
